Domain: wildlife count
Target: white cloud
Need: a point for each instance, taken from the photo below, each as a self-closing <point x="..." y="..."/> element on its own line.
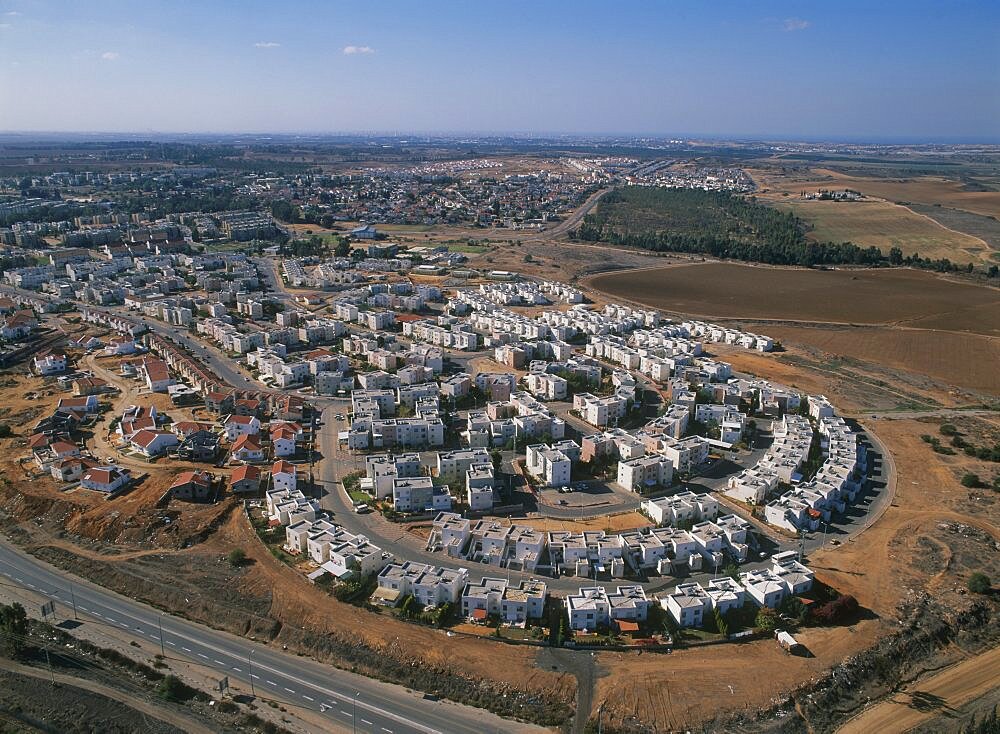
<point x="355" y="50"/>
<point x="12" y="13"/>
<point x="267" y="44"/>
<point x="795" y="24"/>
<point x="110" y="55"/>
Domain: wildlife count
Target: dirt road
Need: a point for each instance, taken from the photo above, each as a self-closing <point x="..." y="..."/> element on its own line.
<point x="935" y="696"/>
<point x="163" y="713"/>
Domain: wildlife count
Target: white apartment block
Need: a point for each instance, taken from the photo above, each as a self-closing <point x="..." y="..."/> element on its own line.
<point x="594" y="606"/>
<point x="645" y="473"/>
<point x="681" y="508"/>
<point x="429" y="585"/>
<point x="549" y="465"/>
<point x="452" y="465"/>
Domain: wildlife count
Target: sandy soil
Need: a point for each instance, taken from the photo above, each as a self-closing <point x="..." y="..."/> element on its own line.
<point x="691" y="685"/>
<point x="930" y="697"/>
<point x="622" y="521"/>
<point x="966" y="360"/>
<point x="824" y="296"/>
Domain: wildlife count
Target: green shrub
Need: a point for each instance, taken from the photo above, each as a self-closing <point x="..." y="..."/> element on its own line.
<point x="979" y="583"/>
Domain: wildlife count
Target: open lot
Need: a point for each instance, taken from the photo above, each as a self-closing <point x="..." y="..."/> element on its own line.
<point x="796" y="294"/>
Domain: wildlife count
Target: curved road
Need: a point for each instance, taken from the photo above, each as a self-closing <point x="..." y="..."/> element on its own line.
<point x="336" y="694"/>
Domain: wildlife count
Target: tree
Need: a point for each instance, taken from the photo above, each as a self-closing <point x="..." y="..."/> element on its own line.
<point x="5" y="431"/>
<point x="979" y="583"/>
<point x="767" y="620"/>
<point x="13" y="630"/>
<point x="840" y="609"/>
<point x="283" y="210"/>
<point x="343" y="248"/>
<point x="172" y="688"/>
<point x="721" y="625"/>
<point x="971" y="480"/>
<point x="237" y="557"/>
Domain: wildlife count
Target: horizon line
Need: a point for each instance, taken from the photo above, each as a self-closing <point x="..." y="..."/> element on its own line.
<point x="769" y="138"/>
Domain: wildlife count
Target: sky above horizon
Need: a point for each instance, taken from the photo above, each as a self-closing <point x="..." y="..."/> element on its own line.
<point x="892" y="71"/>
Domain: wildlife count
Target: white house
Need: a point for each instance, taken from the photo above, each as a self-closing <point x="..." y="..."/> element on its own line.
<point x="153" y="443"/>
<point x="283" y="441"/>
<point x="687" y="604"/>
<point x="594" y="606"/>
<point x="283" y="475"/>
<point x="247" y="448"/>
<point x="241" y="425"/>
<point x="50" y="364"/>
<point x="105" y="478"/>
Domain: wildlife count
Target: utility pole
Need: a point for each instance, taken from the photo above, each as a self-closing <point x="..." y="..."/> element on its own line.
<point x="250" y="664"/>
<point x="159" y="621"/>
<point x="354" y="717"/>
<point x="72" y="597"/>
<point x="52" y="677"/>
<point x="600" y="719"/>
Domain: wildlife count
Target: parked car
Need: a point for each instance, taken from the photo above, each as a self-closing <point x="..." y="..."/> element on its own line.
<point x="362" y="508"/>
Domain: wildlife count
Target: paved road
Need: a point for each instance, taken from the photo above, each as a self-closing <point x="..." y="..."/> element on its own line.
<point x="208" y="354"/>
<point x="571" y="221"/>
<point x="381" y="708"/>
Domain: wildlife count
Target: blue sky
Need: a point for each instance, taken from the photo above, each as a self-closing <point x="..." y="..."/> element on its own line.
<point x="876" y="70"/>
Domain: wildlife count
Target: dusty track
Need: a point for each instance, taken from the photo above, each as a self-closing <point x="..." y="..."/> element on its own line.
<point x="932" y="697"/>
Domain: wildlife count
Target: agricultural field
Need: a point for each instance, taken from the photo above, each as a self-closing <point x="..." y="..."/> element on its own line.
<point x="827" y="296"/>
<point x="882" y="224"/>
<point x="977" y="225"/>
<point x="965" y="360"/>
<point x="936" y="216"/>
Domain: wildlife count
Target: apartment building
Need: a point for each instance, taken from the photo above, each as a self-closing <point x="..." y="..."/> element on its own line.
<point x="645" y="473"/>
<point x="594" y="606"/>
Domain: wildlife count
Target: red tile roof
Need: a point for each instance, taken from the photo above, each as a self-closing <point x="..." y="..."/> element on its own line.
<point x="283" y="467"/>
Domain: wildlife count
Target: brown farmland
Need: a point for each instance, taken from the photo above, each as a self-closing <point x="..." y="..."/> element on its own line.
<point x="965" y="360"/>
<point x="726" y="290"/>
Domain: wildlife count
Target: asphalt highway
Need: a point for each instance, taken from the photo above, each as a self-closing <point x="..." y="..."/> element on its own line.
<point x="348" y="700"/>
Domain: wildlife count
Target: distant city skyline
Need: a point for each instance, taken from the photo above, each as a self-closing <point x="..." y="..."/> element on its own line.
<point x="855" y="71"/>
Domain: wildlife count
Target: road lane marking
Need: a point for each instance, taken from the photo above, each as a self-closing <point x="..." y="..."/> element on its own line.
<point x="308" y="698"/>
<point x="237" y="669"/>
<point x="185" y="649"/>
<point x="218" y="662"/>
<point x="365" y="721"/>
<point x="271" y="683"/>
<point x="288" y="689"/>
<point x="138" y="614"/>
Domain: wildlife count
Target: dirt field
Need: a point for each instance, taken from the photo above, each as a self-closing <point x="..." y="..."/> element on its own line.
<point x="965" y="360"/>
<point x="690" y="686"/>
<point x="614" y="523"/>
<point x="830" y="296"/>
<point x="922" y="701"/>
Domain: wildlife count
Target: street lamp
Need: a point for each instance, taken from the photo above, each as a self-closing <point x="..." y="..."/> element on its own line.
<point x="354" y="718"/>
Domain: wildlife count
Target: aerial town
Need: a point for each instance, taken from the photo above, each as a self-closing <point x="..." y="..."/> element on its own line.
<point x="450" y="369"/>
